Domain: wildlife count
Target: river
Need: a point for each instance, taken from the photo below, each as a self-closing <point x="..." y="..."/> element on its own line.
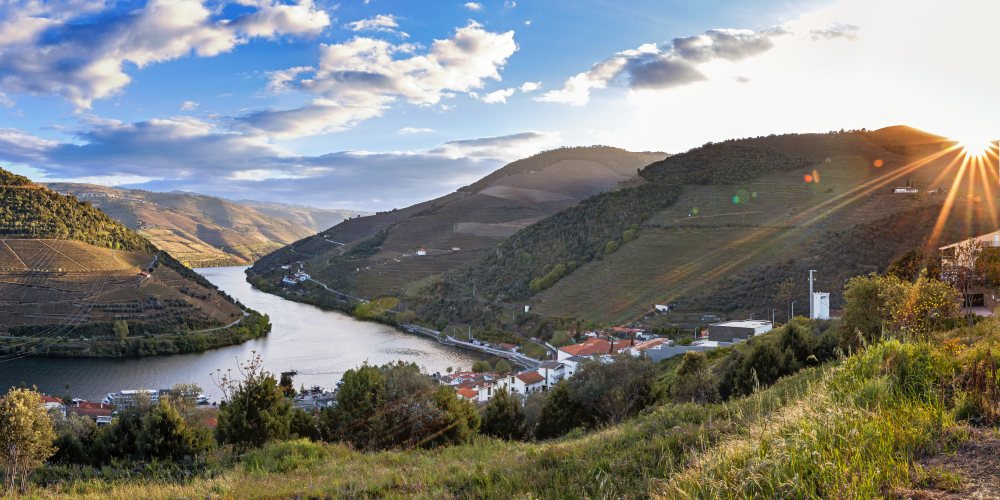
<point x="319" y="345"/>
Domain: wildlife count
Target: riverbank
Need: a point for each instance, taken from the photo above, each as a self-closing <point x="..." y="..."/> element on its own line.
<point x="349" y="306"/>
<point x="319" y="345"/>
<point x="98" y="340"/>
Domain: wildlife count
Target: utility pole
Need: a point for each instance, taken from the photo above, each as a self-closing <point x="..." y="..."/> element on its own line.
<point x="811" y="315"/>
<point x="773" y="310"/>
<point x="792" y="315"/>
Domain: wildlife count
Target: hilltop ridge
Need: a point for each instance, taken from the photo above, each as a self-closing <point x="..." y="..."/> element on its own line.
<point x="75" y="282"/>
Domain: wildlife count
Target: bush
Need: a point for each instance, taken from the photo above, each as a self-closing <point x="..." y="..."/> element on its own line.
<point x="694" y="382"/>
<point x="503" y="417"/>
<point x="255" y="409"/>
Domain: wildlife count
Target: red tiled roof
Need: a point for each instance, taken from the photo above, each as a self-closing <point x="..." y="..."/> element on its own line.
<point x="467" y="393"/>
<point x="50" y="399"/>
<point x="532" y="377"/>
<point x="650" y="343"/>
<point x="591" y="347"/>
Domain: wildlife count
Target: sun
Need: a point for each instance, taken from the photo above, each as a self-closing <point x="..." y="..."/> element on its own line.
<point x="975" y="145"/>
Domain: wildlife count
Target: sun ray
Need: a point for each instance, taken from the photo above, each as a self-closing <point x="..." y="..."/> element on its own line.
<point x="982" y="166"/>
<point x="949" y="202"/>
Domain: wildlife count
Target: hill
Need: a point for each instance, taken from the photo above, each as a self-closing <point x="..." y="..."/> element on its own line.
<point x="389" y="253"/>
<point x="715" y="229"/>
<point x="205" y="231"/>
<point x="900" y="419"/>
<point x="74" y="282"/>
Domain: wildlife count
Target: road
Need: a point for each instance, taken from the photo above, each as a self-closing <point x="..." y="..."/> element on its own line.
<point x="520" y="359"/>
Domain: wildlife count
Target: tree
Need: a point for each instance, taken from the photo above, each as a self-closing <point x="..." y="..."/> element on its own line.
<point x="867" y="307"/>
<point x="560" y="414"/>
<point x="610" y="392"/>
<point x="121" y="329"/>
<point x="908" y="266"/>
<point x="988" y="265"/>
<point x="165" y="434"/>
<point x="694" y="382"/>
<point x="502" y="366"/>
<point x="26" y="437"/>
<point x="304" y="425"/>
<point x="503" y="416"/>
<point x="459" y="423"/>
<point x="254" y="410"/>
<point x="481" y="366"/>
<point x="611" y="247"/>
<point x="534" y="404"/>
<point x="287" y="384"/>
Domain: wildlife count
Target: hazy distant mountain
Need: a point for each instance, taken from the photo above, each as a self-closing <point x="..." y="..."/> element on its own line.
<point x="203" y="231"/>
<point x="386" y="252"/>
<point x="68" y="273"/>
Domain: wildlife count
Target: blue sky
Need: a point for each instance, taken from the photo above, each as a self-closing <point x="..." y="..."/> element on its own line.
<point x="380" y="104"/>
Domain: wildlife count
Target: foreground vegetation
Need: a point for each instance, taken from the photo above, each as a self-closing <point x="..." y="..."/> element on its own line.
<point x="810" y="410"/>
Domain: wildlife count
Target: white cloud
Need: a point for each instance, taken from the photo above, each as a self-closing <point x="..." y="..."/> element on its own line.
<point x="189" y="106"/>
<point x="360" y="78"/>
<point x="380" y="23"/>
<point x="852" y="64"/>
<point x="504" y="148"/>
<point x="193" y="155"/>
<point x="42" y="50"/>
<point x="415" y="130"/>
<point x="495" y="97"/>
<point x="474" y="6"/>
<point x="529" y="87"/>
<point x="663" y="66"/>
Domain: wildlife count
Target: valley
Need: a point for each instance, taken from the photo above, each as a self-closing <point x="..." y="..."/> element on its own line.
<point x="206" y="231"/>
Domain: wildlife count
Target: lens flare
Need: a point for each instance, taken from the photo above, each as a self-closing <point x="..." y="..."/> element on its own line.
<point x="975" y="145"/>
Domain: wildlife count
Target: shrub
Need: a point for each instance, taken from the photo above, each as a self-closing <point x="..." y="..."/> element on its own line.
<point x="255" y="409"/>
<point x="503" y="416"/>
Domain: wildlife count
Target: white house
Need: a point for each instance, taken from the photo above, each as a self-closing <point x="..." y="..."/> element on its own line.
<point x="552" y="371"/>
<point x="662" y="308"/>
<point x="525" y="382"/>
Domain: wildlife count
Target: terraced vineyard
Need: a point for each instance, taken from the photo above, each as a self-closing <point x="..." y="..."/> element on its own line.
<point x="61" y="296"/>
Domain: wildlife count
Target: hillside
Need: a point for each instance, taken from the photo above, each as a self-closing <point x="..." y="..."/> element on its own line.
<point x="69" y="273"/>
<point x="901" y="419"/>
<point x="715" y="229"/>
<point x="205" y="231"/>
<point x="378" y="255"/>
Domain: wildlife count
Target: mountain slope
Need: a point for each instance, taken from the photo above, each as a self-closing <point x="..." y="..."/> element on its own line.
<point x="717" y="228"/>
<point x="204" y="231"/>
<point x="378" y="255"/>
<point x="68" y="273"/>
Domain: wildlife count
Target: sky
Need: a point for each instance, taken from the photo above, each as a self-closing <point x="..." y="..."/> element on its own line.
<point x="379" y="104"/>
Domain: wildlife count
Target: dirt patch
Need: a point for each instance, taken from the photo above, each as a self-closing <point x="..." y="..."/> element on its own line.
<point x="972" y="471"/>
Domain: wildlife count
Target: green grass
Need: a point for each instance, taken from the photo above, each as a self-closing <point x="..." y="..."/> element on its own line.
<point x="848" y="429"/>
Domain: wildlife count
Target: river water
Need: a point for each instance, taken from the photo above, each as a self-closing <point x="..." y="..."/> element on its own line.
<point x="319" y="345"/>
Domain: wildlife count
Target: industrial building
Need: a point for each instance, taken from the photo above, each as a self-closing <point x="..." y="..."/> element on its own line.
<point x="730" y="330"/>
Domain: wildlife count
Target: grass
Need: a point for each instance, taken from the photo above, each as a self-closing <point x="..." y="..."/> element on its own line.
<point x="848" y="429"/>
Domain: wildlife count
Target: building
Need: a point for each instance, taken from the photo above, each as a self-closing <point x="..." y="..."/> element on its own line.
<point x="98" y="412"/>
<point x="592" y="347"/>
<point x="964" y="253"/>
<point x="53" y="404"/>
<point x="730" y="330"/>
<point x="524" y="383"/>
<point x="552" y="371"/>
<point x="905" y="190"/>
<point x="956" y="257"/>
<point x="661" y="308"/>
<point x="821" y="305"/>
<point x="421" y="252"/>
